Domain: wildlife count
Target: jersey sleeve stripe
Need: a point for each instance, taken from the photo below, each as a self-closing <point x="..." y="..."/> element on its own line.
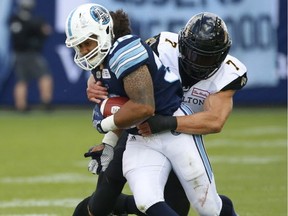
<point x="123" y="56"/>
<point x="118" y="55"/>
<point x="128" y="63"/>
<point x="132" y="51"/>
<point x="186" y="109"/>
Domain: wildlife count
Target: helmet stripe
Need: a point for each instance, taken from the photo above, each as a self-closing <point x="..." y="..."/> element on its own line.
<point x="69" y="23"/>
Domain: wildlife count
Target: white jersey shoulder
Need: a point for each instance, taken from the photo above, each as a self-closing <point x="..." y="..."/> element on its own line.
<point x="168" y="51"/>
<point x="230" y="70"/>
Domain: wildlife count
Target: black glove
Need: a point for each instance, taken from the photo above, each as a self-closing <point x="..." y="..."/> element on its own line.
<point x="159" y="123"/>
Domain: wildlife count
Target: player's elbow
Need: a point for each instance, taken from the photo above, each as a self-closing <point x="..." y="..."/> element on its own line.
<point x="217" y="127"/>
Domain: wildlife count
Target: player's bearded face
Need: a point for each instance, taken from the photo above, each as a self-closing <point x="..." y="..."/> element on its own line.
<point x="87" y="46"/>
<point x="89" y="53"/>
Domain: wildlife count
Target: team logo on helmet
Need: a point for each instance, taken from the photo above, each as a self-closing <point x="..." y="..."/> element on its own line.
<point x="99" y="14"/>
<point x="83" y="21"/>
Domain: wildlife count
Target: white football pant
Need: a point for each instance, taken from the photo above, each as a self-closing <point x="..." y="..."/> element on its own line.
<point x="147" y="162"/>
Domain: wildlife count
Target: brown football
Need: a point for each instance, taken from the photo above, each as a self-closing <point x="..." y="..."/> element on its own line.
<point x="111" y="105"/>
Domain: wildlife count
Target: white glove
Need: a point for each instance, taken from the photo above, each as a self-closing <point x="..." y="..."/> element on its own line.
<point x="101" y="156"/>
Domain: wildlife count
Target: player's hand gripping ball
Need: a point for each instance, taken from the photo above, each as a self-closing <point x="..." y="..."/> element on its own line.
<point x="111" y="105"/>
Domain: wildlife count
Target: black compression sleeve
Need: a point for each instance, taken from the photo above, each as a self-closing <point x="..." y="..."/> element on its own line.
<point x="160" y="123"/>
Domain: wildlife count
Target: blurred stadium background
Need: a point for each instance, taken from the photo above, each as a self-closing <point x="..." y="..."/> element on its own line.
<point x="258" y="29"/>
<point x="43" y="171"/>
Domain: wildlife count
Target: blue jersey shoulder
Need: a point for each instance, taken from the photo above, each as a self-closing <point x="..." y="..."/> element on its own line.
<point x="126" y="54"/>
<point x="129" y="53"/>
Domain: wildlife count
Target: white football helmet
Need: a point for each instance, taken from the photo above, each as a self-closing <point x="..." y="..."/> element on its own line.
<point x="89" y="21"/>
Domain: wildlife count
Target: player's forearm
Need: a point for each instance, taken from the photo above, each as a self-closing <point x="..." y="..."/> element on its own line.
<point x="132" y="114"/>
<point x="217" y="108"/>
<point x="200" y="123"/>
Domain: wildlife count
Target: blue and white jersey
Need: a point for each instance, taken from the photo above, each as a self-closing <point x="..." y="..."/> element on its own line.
<point x="231" y="74"/>
<point x="126" y="55"/>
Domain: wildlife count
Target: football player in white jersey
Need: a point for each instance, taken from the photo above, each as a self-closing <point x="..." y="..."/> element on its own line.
<point x="209" y="75"/>
<point x="210" y="78"/>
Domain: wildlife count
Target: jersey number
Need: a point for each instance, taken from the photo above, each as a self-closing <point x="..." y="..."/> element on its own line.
<point x="231" y="62"/>
<point x="173" y="44"/>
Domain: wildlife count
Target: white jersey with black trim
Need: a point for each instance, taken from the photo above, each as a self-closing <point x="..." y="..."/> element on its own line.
<point x="194" y="96"/>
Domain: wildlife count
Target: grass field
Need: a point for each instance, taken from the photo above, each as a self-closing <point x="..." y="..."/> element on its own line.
<point x="43" y="171"/>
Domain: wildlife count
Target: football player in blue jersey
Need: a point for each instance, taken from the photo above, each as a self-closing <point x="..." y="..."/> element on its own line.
<point x="209" y="76"/>
<point x="128" y="67"/>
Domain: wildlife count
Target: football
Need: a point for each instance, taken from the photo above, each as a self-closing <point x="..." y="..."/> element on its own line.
<point x="111" y="105"/>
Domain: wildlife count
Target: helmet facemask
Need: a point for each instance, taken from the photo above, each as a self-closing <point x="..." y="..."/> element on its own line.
<point x="94" y="57"/>
<point x="203" y="45"/>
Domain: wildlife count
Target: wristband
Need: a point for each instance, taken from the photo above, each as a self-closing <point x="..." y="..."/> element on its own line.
<point x="171" y="122"/>
<point x="108" y="124"/>
<point x="160" y="123"/>
<point x="110" y="138"/>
